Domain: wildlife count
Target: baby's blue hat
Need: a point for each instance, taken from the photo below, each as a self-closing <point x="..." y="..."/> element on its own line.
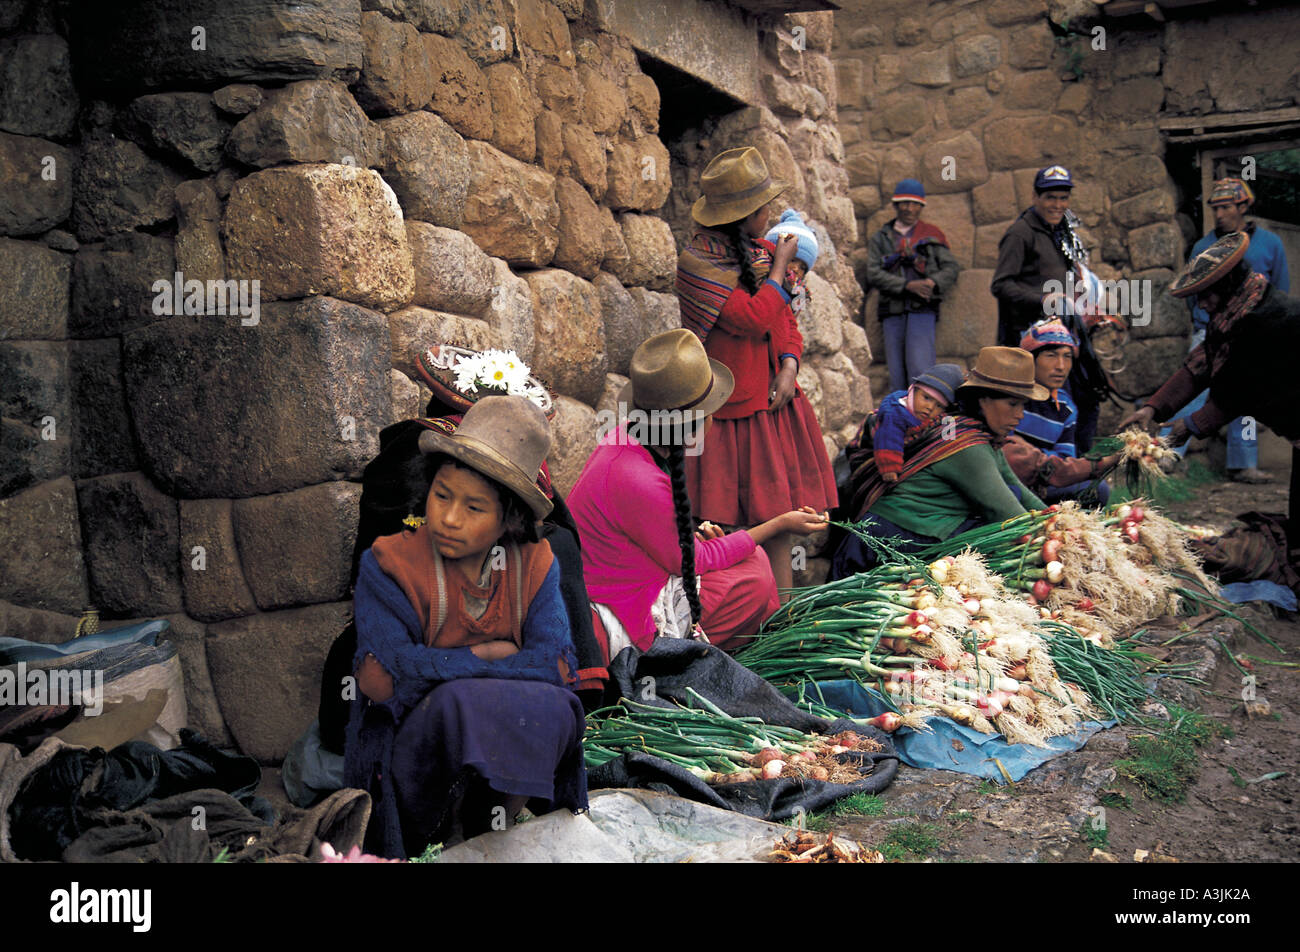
<point x="790" y="223"/>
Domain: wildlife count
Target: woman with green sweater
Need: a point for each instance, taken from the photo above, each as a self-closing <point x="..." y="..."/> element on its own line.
<point x="954" y="476"/>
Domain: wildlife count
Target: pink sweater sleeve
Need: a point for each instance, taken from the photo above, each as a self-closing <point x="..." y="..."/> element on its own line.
<point x="643" y="509"/>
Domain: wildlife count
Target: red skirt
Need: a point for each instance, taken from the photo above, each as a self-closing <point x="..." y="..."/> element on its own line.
<point x="760" y="466"/>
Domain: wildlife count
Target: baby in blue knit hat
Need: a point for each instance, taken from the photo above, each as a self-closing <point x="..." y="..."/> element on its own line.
<point x="791" y="223"/>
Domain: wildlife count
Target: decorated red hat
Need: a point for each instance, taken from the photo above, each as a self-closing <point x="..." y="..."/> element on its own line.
<point x="460" y="377"/>
<point x="1231" y="191"/>
<point x="1051" y="333"/>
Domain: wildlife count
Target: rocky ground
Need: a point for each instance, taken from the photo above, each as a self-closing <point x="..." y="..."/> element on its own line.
<point x="1080" y="808"/>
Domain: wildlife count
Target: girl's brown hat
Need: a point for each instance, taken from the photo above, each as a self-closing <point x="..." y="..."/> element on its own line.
<point x="671" y="371"/>
<point x="1008" y="370"/>
<point x="735" y="185"/>
<point x="502" y="438"/>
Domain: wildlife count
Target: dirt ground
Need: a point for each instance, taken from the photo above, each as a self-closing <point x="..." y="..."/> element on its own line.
<point x="1054" y="814"/>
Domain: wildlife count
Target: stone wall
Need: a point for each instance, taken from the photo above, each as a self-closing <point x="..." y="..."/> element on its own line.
<point x="972" y="96"/>
<point x="391" y="173"/>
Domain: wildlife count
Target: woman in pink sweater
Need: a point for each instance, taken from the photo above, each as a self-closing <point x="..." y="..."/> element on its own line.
<point x="641" y="551"/>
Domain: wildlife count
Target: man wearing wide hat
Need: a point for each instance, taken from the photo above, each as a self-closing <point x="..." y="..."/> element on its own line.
<point x="1230" y="200"/>
<point x="1247" y="359"/>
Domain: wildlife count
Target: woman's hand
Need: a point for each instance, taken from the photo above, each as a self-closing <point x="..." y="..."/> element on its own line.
<point x="889" y="477"/>
<point x="1140" y="418"/>
<point x="783" y="388"/>
<point x="494" y="650"/>
<point x="707" y="530"/>
<point x="802" y="521"/>
<point x="1179" y="432"/>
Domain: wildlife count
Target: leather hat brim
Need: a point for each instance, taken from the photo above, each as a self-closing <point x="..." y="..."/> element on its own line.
<point x="722" y="213"/>
<point x="1034" y="391"/>
<point x="1184" y="286"/>
<point x="724" y="383"/>
<point x="485" y="460"/>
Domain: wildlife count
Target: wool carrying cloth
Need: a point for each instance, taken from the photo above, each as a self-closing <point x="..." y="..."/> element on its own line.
<point x="707" y="272"/>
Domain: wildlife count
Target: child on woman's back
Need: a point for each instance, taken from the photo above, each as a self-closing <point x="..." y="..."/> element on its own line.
<point x="904" y="414"/>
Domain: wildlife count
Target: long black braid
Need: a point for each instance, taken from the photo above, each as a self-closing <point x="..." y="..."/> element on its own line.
<point x="743" y="247"/>
<point x="685" y="525"/>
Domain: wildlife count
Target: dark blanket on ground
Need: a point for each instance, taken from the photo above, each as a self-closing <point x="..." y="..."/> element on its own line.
<point x="660" y="677"/>
<point x="80" y="789"/>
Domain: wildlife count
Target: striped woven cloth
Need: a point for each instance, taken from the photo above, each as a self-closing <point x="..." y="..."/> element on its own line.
<point x="707" y="272"/>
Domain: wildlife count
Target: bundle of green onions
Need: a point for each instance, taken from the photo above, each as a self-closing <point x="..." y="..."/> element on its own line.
<point x="717" y="747"/>
<point x="1111" y="677"/>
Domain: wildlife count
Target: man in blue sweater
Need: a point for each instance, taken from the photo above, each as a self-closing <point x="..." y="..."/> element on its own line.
<point x="1230" y="200"/>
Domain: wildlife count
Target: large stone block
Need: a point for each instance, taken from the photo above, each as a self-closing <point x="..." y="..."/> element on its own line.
<point x="310" y="121"/>
<point x="152" y="44"/>
<point x="35" y="413"/>
<point x="953" y="165"/>
<point x="899" y="115"/>
<point x="581" y="246"/>
<point x="40" y="534"/>
<point x="622" y="320"/>
<point x="1155" y="246"/>
<point x="557" y="88"/>
<point x="643" y="97"/>
<point x="966" y="105"/>
<point x="33" y="624"/>
<point x="570" y="354"/>
<point x="511" y="211"/>
<point x="987" y="239"/>
<point x="397" y="76"/>
<point x="296" y="547"/>
<point x="451" y="272"/>
<point x="319" y="229"/>
<point x="199" y="253"/>
<point x="1149" y="363"/>
<point x="427" y="164"/>
<point x="652" y="253"/>
<point x="1037" y="89"/>
<point x="820" y="322"/>
<point x="510" y="312"/>
<point x="34" y="283"/>
<point x="102" y="438"/>
<point x="118" y="187"/>
<point x="976" y="54"/>
<point x="184" y="125"/>
<point x="586" y="159"/>
<point x="603" y="102"/>
<point x="1031" y="48"/>
<point x="1017" y="142"/>
<point x="514" y="111"/>
<point x="639" y="177"/>
<point x="1158" y="204"/>
<point x="659" y="313"/>
<point x="1169" y="316"/>
<point x="414" y="329"/>
<point x="952" y="213"/>
<point x="113" y="283"/>
<point x="37" y="97"/>
<point x="266" y="673"/>
<point x="485" y="29"/>
<point x="211" y="574"/>
<point x="1009" y="12"/>
<point x="459" y="94"/>
<point x="1134" y="99"/>
<point x="131" y="533"/>
<point x="573" y="436"/>
<point x="542" y="28"/>
<point x="995" y="200"/>
<point x="219" y="414"/>
<point x="37" y="184"/>
<point x="970" y="315"/>
<point x="203" y="714"/>
<point x="1132" y="176"/>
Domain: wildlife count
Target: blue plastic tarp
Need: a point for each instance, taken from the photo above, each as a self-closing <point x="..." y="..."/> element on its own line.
<point x="974" y="753"/>
<point x="1260" y="590"/>
<point x="13" y="650"/>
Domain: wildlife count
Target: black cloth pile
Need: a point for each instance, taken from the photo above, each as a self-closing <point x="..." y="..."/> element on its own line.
<point x="660" y="677"/>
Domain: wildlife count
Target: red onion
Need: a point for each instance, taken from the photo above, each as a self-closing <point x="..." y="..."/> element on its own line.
<point x="772" y="769"/>
<point x="1042" y="588"/>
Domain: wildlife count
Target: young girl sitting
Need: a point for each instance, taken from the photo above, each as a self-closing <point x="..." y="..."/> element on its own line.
<point x="904" y="414"/>
<point x="463" y="647"/>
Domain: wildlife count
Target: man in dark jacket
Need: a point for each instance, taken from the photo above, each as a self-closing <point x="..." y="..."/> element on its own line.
<point x="1035" y="255"/>
<point x="1247" y="359"/>
<point x="910" y="264"/>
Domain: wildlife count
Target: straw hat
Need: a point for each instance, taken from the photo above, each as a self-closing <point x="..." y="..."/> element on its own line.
<point x="735" y="185"/>
<point x="671" y="371"/>
<point x="1008" y="370"/>
<point x="1211" y="266"/>
<point x="502" y="438"/>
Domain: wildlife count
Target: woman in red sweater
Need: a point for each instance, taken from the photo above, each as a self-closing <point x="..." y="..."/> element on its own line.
<point x="764" y="455"/>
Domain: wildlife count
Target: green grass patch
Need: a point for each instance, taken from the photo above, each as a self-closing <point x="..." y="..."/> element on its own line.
<point x="1165" y="763"/>
<point x="860" y="804"/>
<point x="812" y="822"/>
<point x="1177" y="488"/>
<point x="1237" y="779"/>
<point x="1097" y="837"/>
<point x="1115" y="800"/>
<point x="961" y="816"/>
<point x="907" y="840"/>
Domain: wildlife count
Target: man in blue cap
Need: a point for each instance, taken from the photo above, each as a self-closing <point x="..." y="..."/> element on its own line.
<point x="1230" y="200"/>
<point x="1035" y="256"/>
<point x="909" y="263"/>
